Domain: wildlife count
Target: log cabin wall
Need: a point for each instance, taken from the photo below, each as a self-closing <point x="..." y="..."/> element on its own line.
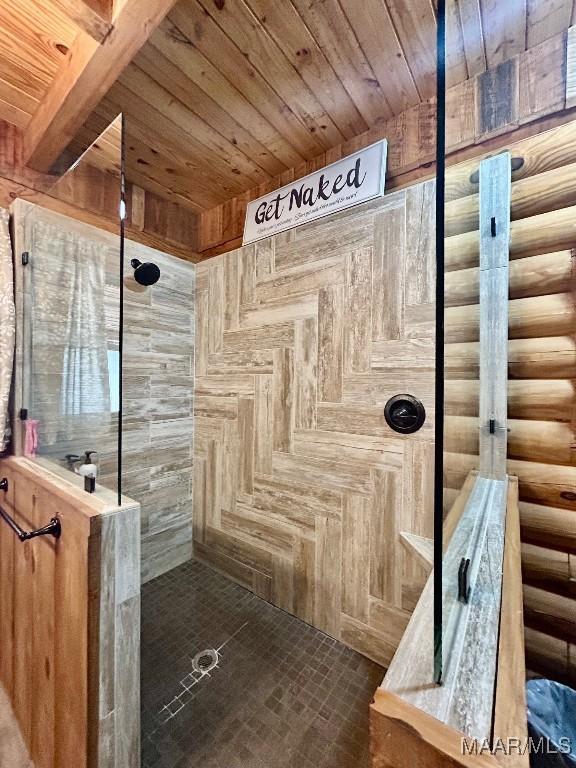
<point x="301" y="490"/>
<point x="542" y="374"/>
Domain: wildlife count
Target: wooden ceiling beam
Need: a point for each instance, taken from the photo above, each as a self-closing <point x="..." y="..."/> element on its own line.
<point x="92" y="16"/>
<point x="89" y="70"/>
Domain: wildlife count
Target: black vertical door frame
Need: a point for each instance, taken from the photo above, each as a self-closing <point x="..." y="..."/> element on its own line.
<point x="439" y="392"/>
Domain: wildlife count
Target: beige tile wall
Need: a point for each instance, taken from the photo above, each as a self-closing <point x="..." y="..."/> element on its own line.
<point x="158" y="422"/>
<point x="301" y="490"/>
<point x="158" y="387"/>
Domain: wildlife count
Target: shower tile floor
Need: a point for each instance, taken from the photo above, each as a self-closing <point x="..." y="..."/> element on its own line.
<point x="283" y="693"/>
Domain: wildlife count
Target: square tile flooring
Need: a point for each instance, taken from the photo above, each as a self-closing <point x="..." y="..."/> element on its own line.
<point x="282" y="693"/>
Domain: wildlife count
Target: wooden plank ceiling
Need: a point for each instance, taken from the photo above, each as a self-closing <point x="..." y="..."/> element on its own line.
<point x="227" y="94"/>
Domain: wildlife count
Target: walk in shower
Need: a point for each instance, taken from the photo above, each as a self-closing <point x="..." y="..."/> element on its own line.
<point x="242" y="403"/>
<point x="254" y="405"/>
<point x="302" y="492"/>
<point x="292" y="409"/>
<point x="272" y="410"/>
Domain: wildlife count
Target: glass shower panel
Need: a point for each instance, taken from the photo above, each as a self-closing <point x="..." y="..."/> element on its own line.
<point x="471" y="502"/>
<point x="72" y="323"/>
<point x="461" y="383"/>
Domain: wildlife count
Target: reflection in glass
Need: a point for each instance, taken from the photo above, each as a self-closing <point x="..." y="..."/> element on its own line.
<point x="72" y="344"/>
<point x="473" y="246"/>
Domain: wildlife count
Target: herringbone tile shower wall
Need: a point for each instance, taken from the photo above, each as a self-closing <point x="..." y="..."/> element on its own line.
<point x="301" y="490"/>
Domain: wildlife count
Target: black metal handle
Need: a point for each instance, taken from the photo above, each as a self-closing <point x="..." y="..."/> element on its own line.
<point x="404" y="414"/>
<point x="463" y="576"/>
<point x="52" y="529"/>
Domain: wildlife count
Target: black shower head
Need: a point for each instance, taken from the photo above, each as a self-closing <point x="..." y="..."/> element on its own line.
<point x="145" y="274"/>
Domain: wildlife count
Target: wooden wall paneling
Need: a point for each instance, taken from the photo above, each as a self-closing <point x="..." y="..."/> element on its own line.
<point x="65" y="599"/>
<point x="456" y="66"/>
<point x="199" y="28"/>
<point x="7" y="546"/>
<point x="571" y="67"/>
<point x="484" y="109"/>
<point x="549" y="191"/>
<point x="536" y="235"/>
<point x="138" y="207"/>
<point x="497" y="99"/>
<point x="244" y="26"/>
<point x="173" y="58"/>
<point x="546" y="19"/>
<point x="473" y="36"/>
<point x="542" y="79"/>
<point x="550" y="613"/>
<point x="329" y="24"/>
<point x="84" y="78"/>
<point x="95" y="18"/>
<point x="91" y="195"/>
<point x="460" y="120"/>
<point x="551" y="148"/>
<point x="547" y="569"/>
<point x="114" y="625"/>
<point x="311" y="470"/>
<point x="416" y="27"/>
<point x="541" y="354"/>
<point x="548" y="655"/>
<point x="540" y="400"/>
<point x="504" y="30"/>
<point x="544" y="358"/>
<point x="379" y="40"/>
<point x="548" y="526"/>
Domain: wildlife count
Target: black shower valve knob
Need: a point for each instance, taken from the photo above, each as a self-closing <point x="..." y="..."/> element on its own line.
<point x="404" y="414"/>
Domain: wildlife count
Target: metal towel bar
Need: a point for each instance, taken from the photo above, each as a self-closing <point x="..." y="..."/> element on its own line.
<point x="53" y="528"/>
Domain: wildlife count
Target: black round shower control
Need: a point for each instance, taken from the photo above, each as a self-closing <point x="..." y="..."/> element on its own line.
<point x="404" y="413"/>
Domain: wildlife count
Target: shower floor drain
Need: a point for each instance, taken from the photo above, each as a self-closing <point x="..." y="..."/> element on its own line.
<point x="202" y="664"/>
<point x="205" y="661"/>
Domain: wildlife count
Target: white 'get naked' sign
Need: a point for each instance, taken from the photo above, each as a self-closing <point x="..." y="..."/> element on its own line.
<point x="353" y="180"/>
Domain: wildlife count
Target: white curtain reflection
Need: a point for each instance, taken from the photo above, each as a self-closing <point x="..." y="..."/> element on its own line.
<point x="7" y="326"/>
<point x="70" y="367"/>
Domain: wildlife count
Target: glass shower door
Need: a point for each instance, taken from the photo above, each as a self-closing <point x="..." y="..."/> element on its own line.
<point x="471" y="482"/>
<point x="71" y="286"/>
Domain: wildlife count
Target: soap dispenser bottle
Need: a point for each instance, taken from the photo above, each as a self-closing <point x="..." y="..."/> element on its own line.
<point x="88" y="468"/>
